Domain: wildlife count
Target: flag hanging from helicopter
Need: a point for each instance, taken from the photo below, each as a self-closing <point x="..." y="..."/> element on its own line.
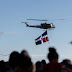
<point x="41" y="39"/>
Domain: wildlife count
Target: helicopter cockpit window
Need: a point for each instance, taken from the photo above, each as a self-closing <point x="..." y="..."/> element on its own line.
<point x="49" y="25"/>
<point x="42" y="25"/>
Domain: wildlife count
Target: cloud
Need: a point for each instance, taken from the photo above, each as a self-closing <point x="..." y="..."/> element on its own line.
<point x="1" y="33"/>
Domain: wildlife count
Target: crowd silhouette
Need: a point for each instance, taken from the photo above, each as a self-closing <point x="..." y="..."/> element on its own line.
<point x="22" y="62"/>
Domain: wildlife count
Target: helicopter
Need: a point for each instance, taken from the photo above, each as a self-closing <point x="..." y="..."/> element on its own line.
<point x="42" y="25"/>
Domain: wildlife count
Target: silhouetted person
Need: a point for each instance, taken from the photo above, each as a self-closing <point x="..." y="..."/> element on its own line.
<point x="21" y="62"/>
<point x="14" y="59"/>
<point x="54" y="65"/>
<point x="38" y="66"/>
<point x="2" y="66"/>
<point x="43" y="63"/>
<point x="25" y="65"/>
<point x="67" y="63"/>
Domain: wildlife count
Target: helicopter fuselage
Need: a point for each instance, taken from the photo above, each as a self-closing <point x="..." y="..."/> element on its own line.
<point x="42" y="26"/>
<point x="46" y="26"/>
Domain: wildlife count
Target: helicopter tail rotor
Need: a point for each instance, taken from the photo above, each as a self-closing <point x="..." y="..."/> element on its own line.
<point x="26" y="23"/>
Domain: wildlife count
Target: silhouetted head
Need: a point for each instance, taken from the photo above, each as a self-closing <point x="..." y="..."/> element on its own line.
<point x="66" y="61"/>
<point x="25" y="62"/>
<point x="25" y="53"/>
<point x="52" y="55"/>
<point x="14" y="59"/>
<point x="43" y="61"/>
<point x="2" y="66"/>
<point x="24" y="65"/>
<point x="38" y="63"/>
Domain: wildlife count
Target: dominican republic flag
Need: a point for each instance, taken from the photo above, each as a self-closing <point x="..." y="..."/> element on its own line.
<point x="41" y="39"/>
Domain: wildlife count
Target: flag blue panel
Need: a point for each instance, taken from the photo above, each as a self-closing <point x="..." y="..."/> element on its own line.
<point x="45" y="33"/>
<point x="38" y="42"/>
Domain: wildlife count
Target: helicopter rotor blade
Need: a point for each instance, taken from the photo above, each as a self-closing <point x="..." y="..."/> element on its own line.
<point x="45" y="19"/>
<point x="38" y="19"/>
<point x="57" y="19"/>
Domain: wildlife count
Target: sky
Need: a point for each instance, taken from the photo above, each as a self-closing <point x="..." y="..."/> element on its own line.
<point x="15" y="36"/>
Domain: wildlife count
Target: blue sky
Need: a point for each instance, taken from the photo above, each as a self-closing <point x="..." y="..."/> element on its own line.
<point x="16" y="36"/>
